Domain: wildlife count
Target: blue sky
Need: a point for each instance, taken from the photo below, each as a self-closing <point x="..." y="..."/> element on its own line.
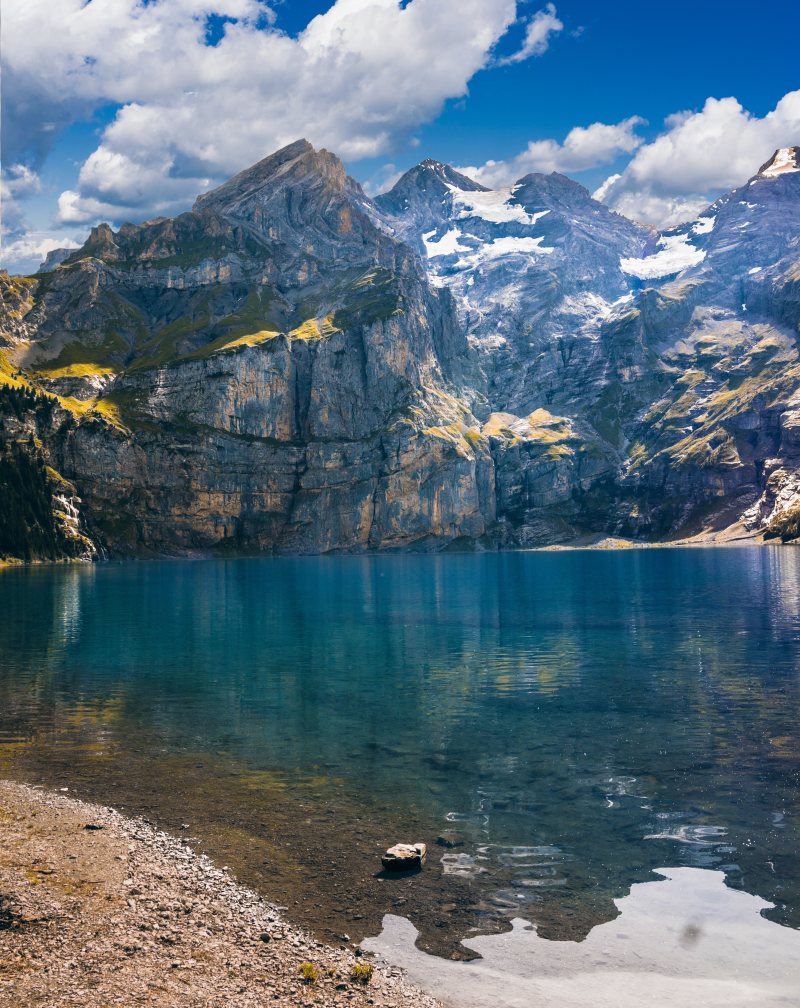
<point x="126" y="110"/>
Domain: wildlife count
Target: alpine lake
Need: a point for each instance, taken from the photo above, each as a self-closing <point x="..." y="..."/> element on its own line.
<point x="581" y="719"/>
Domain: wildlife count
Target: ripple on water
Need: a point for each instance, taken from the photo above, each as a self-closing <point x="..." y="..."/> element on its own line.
<point x="462" y="865"/>
<point x="702" y="836"/>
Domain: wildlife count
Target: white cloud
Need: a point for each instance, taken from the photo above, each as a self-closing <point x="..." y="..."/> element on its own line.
<point x="698" y="156"/>
<point x="538" y="30"/>
<point x="583" y="147"/>
<point x="381" y="180"/>
<point x="16" y="183"/>
<point x="25" y="254"/>
<point x="359" y="79"/>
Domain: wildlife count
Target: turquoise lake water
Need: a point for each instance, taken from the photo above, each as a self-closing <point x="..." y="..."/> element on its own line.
<point x="580" y="717"/>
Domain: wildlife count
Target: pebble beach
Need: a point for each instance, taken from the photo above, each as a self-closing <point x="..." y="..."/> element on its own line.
<point x="98" y="909"/>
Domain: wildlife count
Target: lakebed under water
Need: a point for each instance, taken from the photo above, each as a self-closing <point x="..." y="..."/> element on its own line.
<point x="581" y="718"/>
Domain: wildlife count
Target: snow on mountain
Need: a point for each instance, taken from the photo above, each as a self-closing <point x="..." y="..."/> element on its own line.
<point x="783" y="161"/>
<point x="499" y="247"/>
<point x="703" y="225"/>
<point x="676" y="253"/>
<point x="495" y="206"/>
<point x="446" y="245"/>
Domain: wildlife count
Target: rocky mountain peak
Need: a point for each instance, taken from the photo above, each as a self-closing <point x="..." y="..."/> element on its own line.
<point x="554" y="190"/>
<point x="298" y="166"/>
<point x="784" y="161"/>
<point x="425" y="185"/>
<point x="299" y="196"/>
<point x="54" y="258"/>
<point x="423" y="197"/>
<point x="445" y="173"/>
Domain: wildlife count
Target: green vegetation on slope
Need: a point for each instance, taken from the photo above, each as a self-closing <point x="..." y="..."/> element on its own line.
<point x="29" y="529"/>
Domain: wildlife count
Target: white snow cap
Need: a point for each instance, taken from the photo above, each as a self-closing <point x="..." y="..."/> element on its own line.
<point x="703" y="225"/>
<point x="782" y="162"/>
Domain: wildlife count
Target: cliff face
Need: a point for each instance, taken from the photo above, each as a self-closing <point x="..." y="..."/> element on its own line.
<point x="267" y="372"/>
<point x="294" y="367"/>
<point x="669" y="362"/>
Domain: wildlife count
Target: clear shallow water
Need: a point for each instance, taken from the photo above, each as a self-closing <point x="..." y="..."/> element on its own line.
<point x="581" y="718"/>
<point x="683" y="940"/>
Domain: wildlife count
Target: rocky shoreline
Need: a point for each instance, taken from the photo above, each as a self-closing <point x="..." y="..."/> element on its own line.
<point x="733" y="536"/>
<point x="98" y="909"/>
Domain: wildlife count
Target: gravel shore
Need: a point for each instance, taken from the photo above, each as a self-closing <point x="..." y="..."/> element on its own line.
<point x="97" y="909"/>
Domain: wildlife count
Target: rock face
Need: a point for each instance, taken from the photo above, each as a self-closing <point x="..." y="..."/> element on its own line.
<point x="293" y="367"/>
<point x="642" y="384"/>
<point x="271" y="371"/>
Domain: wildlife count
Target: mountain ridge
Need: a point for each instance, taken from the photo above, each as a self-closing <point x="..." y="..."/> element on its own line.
<point x="292" y="366"/>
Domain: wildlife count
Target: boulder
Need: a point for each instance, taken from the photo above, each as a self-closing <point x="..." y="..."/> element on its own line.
<point x="404" y="857"/>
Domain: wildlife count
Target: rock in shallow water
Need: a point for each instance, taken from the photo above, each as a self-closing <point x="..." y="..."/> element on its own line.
<point x="450" y="838"/>
<point x="404" y="857"/>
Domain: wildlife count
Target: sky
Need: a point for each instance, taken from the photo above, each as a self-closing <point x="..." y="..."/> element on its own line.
<point x="124" y="110"/>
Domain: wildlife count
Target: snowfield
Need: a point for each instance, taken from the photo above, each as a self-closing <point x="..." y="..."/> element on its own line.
<point x="494" y="206"/>
<point x="676" y="254"/>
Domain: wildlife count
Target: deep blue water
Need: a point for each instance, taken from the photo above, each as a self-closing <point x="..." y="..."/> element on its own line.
<point x="581" y="717"/>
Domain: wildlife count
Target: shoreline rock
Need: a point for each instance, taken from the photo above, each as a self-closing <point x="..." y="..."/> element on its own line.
<point x="404" y="857"/>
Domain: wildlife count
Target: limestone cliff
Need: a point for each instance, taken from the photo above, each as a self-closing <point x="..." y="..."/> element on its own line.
<point x="271" y="371"/>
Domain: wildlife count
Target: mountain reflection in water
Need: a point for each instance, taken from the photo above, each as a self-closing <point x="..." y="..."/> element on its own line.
<point x="581" y="718"/>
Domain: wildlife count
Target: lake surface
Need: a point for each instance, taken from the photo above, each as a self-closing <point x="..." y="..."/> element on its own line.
<point x="582" y="718"/>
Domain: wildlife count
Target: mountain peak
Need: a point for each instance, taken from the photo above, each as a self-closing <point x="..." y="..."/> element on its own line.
<point x="295" y="164"/>
<point x="784" y="161"/>
<point x="554" y="190"/>
<point x="423" y="189"/>
<point x="432" y="171"/>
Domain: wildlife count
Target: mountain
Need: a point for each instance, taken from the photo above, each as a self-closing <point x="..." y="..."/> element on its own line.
<point x="294" y="367"/>
<point x="261" y="373"/>
<point x="667" y="361"/>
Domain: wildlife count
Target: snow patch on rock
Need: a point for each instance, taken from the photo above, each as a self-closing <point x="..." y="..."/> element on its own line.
<point x="703" y="225"/>
<point x="783" y="162"/>
<point x="446" y="245"/>
<point x="675" y="255"/>
<point x="503" y="247"/>
<point x="494" y="206"/>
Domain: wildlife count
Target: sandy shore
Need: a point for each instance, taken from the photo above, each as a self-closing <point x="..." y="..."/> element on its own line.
<point x="97" y="910"/>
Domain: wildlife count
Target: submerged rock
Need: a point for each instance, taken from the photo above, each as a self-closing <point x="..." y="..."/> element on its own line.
<point x="404" y="857"/>
<point x="450" y="838"/>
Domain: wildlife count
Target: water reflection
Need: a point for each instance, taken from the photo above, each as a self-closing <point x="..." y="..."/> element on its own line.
<point x="582" y="717"/>
<point x="683" y="940"/>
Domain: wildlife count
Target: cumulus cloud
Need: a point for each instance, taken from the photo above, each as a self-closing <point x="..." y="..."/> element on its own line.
<point x="538" y="30"/>
<point x="20" y="249"/>
<point x="27" y="252"/>
<point x="698" y="156"/>
<point x="382" y="180"/>
<point x="359" y="79"/>
<point x="16" y="183"/>
<point x="583" y="147"/>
